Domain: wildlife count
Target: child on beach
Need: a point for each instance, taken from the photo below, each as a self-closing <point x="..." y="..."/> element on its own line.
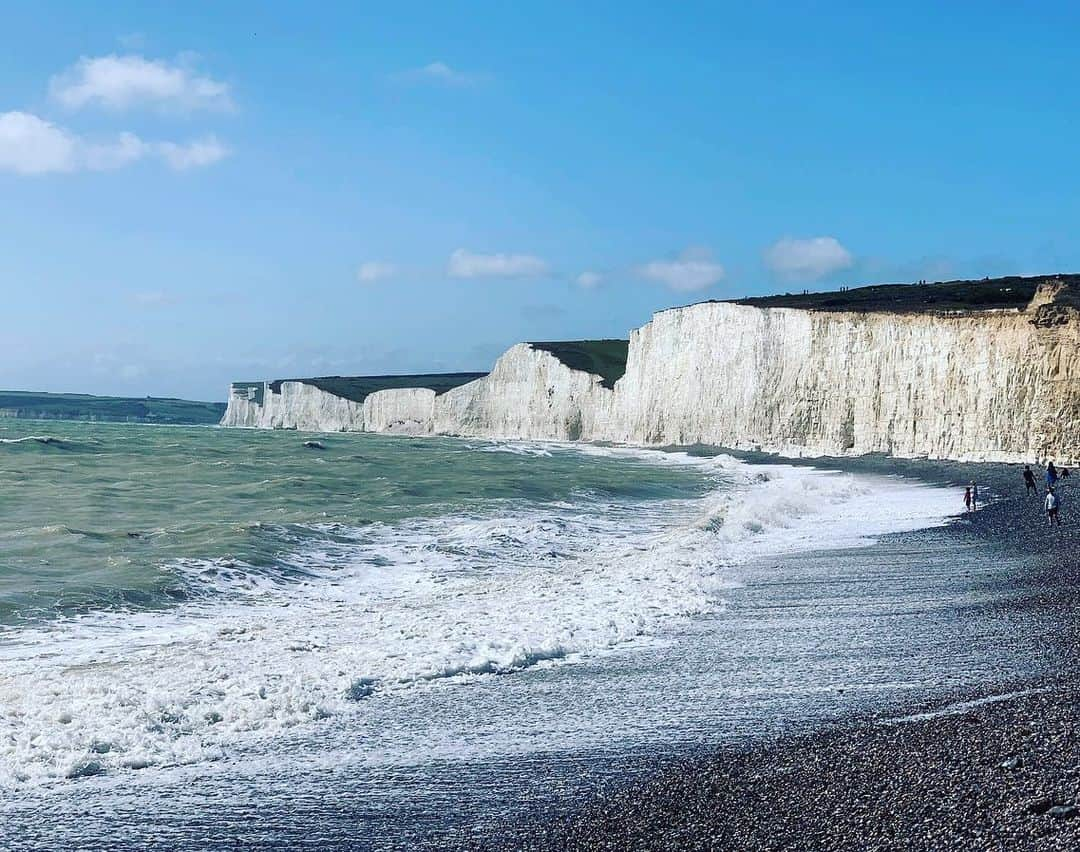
<point x="1052" y="508"/>
<point x="967" y="499"/>
<point x="974" y="496"/>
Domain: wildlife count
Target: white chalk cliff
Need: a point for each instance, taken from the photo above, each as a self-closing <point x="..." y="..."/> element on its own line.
<point x="295" y="405"/>
<point x="977" y="385"/>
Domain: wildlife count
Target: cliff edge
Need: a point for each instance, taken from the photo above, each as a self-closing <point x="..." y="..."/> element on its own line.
<point x="983" y="370"/>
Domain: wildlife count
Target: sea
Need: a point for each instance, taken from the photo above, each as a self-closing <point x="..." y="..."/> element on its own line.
<point x="215" y="638"/>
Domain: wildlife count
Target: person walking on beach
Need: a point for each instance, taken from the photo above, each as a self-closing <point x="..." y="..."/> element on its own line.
<point x="1051" y="475"/>
<point x="967" y="499"/>
<point x="974" y="496"/>
<point x="1029" y="480"/>
<point x="1052" y="508"/>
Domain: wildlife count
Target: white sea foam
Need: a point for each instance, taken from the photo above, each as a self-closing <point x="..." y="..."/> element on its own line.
<point x="518" y="448"/>
<point x="385" y="608"/>
<point x="36" y="439"/>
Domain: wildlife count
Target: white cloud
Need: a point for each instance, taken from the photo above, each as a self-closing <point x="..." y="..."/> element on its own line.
<point x="466" y="264"/>
<point x="375" y="270"/>
<point x="124" y="150"/>
<point x="807" y="259"/>
<point x="30" y="145"/>
<point x="588" y="280"/>
<point x="439" y="73"/>
<point x="121" y="82"/>
<point x="694" y="269"/>
<point x="201" y="152"/>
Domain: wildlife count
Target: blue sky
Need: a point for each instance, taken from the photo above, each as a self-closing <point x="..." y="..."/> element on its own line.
<point x="198" y="192"/>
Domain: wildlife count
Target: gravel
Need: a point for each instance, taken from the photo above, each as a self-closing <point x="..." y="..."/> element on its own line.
<point x="994" y="769"/>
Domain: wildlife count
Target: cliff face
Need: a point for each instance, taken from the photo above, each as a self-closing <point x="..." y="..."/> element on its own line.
<point x="406" y="411"/>
<point x="976" y="386"/>
<point x="528" y="394"/>
<point x="990" y="385"/>
<point x="295" y="406"/>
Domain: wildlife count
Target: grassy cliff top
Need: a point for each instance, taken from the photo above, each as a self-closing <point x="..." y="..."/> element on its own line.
<point x="357" y="388"/>
<point x="80" y="406"/>
<point x="982" y="294"/>
<point x="604" y="358"/>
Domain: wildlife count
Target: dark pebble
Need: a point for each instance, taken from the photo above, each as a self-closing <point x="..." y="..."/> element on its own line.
<point x="937" y="783"/>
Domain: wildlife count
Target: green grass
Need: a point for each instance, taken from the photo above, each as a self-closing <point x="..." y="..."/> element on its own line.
<point x="77" y="406"/>
<point x="357" y="388"/>
<point x="970" y="295"/>
<point x="604" y="358"/>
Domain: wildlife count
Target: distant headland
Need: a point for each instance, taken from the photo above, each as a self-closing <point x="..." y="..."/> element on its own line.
<point x="33" y="405"/>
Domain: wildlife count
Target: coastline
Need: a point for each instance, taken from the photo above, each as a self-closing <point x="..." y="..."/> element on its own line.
<point x="872" y="621"/>
<point x="993" y="767"/>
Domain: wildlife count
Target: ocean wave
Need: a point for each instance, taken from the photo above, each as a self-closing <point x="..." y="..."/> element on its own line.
<point x="62" y="530"/>
<point x="51" y="442"/>
<point x="373" y="610"/>
<point x="518" y="448"/>
<point x="35" y="439"/>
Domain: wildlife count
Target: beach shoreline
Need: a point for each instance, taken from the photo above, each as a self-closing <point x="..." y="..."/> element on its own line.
<point x="996" y="767"/>
<point x="697" y="741"/>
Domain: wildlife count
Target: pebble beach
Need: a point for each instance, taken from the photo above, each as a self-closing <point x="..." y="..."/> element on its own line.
<point x="986" y="769"/>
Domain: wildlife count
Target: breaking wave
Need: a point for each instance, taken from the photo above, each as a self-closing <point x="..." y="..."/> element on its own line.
<point x="359" y="613"/>
<point x="36" y="439"/>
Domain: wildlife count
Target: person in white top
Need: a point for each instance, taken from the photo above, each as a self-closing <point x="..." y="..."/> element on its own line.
<point x="1052" y="508"/>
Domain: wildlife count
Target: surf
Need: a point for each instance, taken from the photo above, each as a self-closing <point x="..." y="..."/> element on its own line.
<point x="348" y="614"/>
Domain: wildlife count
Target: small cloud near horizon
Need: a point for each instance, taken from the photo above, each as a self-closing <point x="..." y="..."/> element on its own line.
<point x="467" y="264"/>
<point x="439" y="73"/>
<point x="694" y="269"/>
<point x="588" y="280"/>
<point x="807" y="259"/>
<point x="374" y="270"/>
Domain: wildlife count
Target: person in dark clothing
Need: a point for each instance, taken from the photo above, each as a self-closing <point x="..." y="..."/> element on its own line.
<point x="1064" y="473"/>
<point x="1051" y="475"/>
<point x="967" y="499"/>
<point x="1029" y="480"/>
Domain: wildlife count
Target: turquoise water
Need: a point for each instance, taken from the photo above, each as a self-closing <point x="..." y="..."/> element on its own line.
<point x="168" y="594"/>
<point x="219" y="625"/>
<point x="96" y="516"/>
